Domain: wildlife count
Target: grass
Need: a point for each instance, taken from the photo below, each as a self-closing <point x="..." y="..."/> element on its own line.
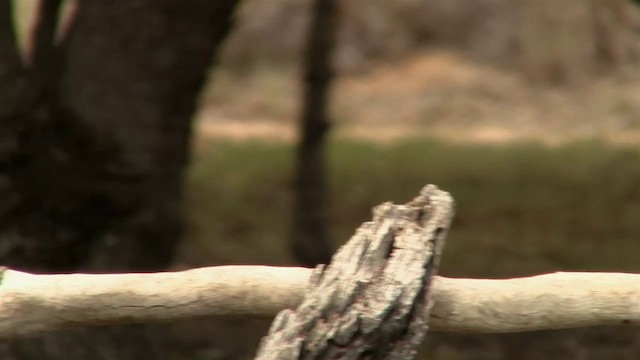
<point x="521" y="209"/>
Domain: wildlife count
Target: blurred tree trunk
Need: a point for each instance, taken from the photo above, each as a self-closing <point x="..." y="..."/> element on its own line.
<point x="94" y="138"/>
<point x="564" y="41"/>
<point x="310" y="241"/>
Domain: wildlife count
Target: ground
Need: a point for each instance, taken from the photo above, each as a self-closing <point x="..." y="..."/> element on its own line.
<point x="433" y="93"/>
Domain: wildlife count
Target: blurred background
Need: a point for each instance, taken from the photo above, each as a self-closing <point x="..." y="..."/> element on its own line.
<point x="155" y="134"/>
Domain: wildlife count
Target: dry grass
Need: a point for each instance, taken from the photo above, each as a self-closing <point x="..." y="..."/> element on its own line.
<point x="436" y="93"/>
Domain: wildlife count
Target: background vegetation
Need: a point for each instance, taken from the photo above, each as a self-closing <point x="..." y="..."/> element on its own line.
<point x="528" y="112"/>
<point x="522" y="209"/>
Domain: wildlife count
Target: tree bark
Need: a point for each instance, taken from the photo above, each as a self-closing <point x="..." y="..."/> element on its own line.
<point x="310" y="240"/>
<point x="93" y="148"/>
<point x="12" y="73"/>
<point x="374" y="300"/>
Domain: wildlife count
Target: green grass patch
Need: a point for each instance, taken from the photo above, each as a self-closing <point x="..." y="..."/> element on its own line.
<point x="521" y="209"/>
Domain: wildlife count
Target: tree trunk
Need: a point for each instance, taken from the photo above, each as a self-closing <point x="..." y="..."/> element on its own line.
<point x="310" y="241"/>
<point x="94" y="138"/>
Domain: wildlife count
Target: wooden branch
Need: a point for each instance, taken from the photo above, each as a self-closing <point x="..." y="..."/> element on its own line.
<point x="543" y="302"/>
<point x="373" y="299"/>
<point x="32" y="303"/>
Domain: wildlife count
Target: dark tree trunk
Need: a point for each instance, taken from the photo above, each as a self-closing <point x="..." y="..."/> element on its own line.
<point x="94" y="138"/>
<point x="310" y="235"/>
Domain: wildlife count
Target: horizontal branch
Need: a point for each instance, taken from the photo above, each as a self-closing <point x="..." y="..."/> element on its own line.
<point x="31" y="303"/>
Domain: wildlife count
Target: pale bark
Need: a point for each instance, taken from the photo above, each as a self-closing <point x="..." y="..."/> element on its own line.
<point x="31" y="303"/>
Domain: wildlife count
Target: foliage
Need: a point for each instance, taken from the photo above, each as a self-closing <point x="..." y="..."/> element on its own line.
<point x="521" y="208"/>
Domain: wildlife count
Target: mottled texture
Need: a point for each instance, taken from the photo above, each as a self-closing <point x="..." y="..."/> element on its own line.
<point x="373" y="300"/>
